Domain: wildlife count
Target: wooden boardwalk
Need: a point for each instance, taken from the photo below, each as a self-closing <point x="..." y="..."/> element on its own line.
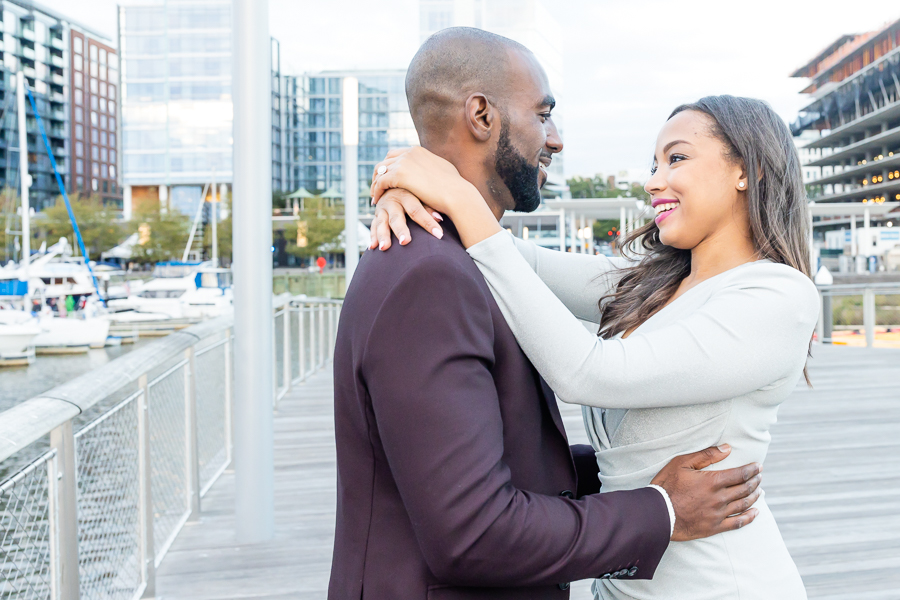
<point x="832" y="479"/>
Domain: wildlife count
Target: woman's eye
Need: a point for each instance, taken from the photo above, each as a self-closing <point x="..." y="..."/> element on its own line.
<point x="653" y="170"/>
<point x="676" y="158"/>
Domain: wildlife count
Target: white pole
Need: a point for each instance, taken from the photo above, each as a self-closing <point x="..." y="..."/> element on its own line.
<point x="867" y="240"/>
<point x="853" y="243"/>
<point x="252" y="231"/>
<point x="214" y="227"/>
<point x="351" y="175"/>
<point x="24" y="177"/>
<point x="562" y="230"/>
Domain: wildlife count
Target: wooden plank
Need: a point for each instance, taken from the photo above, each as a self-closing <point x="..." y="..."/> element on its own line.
<point x="832" y="479"/>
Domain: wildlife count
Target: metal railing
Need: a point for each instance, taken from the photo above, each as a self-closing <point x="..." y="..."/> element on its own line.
<point x="105" y="470"/>
<point x="868" y="317"/>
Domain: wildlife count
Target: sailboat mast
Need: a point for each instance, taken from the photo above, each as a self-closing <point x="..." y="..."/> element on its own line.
<point x="24" y="178"/>
<point x="215" y="237"/>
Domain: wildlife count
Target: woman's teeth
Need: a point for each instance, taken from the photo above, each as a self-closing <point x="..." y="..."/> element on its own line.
<point x="661" y="208"/>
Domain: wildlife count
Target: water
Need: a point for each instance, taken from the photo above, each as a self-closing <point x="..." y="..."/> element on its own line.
<point x="18" y="384"/>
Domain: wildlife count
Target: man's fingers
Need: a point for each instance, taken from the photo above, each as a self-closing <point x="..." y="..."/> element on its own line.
<point x="737" y="476"/>
<point x="739" y="521"/>
<point x="706" y="457"/>
<point x="744" y="503"/>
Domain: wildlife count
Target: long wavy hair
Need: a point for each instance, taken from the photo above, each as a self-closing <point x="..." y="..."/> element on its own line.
<point x="755" y="137"/>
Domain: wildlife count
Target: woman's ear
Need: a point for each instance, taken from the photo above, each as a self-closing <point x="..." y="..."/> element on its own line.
<point x="480" y="117"/>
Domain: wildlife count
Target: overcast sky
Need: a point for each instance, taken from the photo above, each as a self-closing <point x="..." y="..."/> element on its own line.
<point x="628" y="63"/>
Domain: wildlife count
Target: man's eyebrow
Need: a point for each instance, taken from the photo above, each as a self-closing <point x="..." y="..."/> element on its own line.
<point x="675" y="143"/>
<point x="547" y="101"/>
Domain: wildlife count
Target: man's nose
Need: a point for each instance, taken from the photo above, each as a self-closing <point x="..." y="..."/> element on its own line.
<point x="554" y="142"/>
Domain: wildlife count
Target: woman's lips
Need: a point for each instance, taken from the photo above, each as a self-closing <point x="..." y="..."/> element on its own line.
<point x="664" y="208"/>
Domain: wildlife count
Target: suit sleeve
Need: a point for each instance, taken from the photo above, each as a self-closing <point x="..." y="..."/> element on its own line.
<point x="586" y="469"/>
<point x="427" y="369"/>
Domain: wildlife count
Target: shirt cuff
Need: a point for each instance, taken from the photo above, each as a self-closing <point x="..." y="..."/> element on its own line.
<point x="669" y="506"/>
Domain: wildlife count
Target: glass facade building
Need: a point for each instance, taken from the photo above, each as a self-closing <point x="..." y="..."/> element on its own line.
<point x="39" y="43"/>
<point x="313" y="114"/>
<point x="176" y="101"/>
<point x="529" y="22"/>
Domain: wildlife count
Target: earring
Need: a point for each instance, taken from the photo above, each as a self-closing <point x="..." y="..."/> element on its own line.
<point x="740" y="184"/>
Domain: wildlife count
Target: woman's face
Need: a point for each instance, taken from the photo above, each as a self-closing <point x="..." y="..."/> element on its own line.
<point x="695" y="189"/>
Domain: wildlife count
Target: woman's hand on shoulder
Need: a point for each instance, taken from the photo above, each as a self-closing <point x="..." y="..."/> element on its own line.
<point x="426" y="175"/>
<point x="390" y="215"/>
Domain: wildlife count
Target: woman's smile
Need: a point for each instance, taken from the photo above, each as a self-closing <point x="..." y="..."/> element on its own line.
<point x="664" y="207"/>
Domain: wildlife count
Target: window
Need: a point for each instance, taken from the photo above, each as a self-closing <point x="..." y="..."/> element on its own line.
<point x="79" y="148"/>
<point x="104" y="172"/>
<point x="93" y="69"/>
<point x="79" y="166"/>
<point x="79" y="132"/>
<point x="102" y="72"/>
<point x="78" y="44"/>
<point x="102" y="104"/>
<point x="95" y="104"/>
<point x="112" y="174"/>
<point x="112" y="108"/>
<point x="102" y="56"/>
<point x="105" y="184"/>
<point x="79" y="97"/>
<point x="103" y="154"/>
<point x="95" y="170"/>
<point x="93" y="52"/>
<point x="103" y="122"/>
<point x="112" y="125"/>
<point x="112" y="142"/>
<point x="79" y="115"/>
<point x="79" y="182"/>
<point x="111" y="94"/>
<point x="95" y="153"/>
<point x="94" y="119"/>
<point x="112" y="153"/>
<point x="78" y="80"/>
<point x="94" y="183"/>
<point x="103" y="139"/>
<point x="94" y="136"/>
<point x="78" y="62"/>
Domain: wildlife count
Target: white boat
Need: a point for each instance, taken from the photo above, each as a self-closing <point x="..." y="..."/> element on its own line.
<point x="180" y="290"/>
<point x="18" y="330"/>
<point x="70" y="335"/>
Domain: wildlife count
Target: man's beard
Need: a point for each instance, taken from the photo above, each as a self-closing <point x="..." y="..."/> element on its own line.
<point x="520" y="177"/>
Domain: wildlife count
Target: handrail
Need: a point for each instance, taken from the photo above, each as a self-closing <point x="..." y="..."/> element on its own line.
<point x="868" y="291"/>
<point x="33" y="419"/>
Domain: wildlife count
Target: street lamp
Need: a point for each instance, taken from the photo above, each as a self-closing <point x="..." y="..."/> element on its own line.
<point x="351" y="175"/>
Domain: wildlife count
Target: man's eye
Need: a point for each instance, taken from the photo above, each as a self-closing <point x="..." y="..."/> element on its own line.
<point x="545" y="116"/>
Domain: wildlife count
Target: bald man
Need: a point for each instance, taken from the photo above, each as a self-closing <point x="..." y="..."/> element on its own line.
<point x="455" y="478"/>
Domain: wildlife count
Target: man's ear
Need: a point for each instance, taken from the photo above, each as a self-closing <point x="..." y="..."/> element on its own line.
<point x="480" y="117"/>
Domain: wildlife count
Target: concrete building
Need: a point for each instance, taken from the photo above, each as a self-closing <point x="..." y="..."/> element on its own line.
<point x="855" y="116"/>
<point x="313" y="114"/>
<point x="41" y="43"/>
<point x="177" y="102"/>
<point x="529" y="22"/>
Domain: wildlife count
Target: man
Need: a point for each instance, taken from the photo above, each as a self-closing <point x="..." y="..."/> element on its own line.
<point x="455" y="478"/>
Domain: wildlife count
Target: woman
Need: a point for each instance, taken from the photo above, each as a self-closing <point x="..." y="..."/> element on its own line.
<point x="700" y="340"/>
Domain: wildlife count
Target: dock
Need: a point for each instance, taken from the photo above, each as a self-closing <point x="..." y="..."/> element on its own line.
<point x="832" y="479"/>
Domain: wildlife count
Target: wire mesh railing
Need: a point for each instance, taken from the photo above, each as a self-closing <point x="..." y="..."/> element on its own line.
<point x="133" y="447"/>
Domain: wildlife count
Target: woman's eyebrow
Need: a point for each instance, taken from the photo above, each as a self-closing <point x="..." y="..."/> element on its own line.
<point x="674" y="143"/>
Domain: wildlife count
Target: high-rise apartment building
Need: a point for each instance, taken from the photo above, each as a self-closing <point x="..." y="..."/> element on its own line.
<point x="39" y="42"/>
<point x="529" y="22"/>
<point x="853" y="121"/>
<point x="177" y="102"/>
<point x="94" y="117"/>
<point x="313" y="143"/>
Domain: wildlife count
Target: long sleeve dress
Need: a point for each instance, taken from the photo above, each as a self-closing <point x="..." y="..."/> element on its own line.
<point x="711" y="367"/>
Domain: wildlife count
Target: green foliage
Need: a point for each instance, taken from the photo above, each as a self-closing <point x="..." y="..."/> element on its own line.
<point x="99" y="224"/>
<point x="598" y="187"/>
<point x="606" y="231"/>
<point x="318" y="225"/>
<point x="164" y="235"/>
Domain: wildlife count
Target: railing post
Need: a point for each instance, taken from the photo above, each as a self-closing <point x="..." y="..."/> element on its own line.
<point x="62" y="440"/>
<point x="286" y="344"/>
<point x="827" y="318"/>
<point x="192" y="460"/>
<point x="229" y="399"/>
<point x="301" y="325"/>
<point x="331" y="326"/>
<point x="322" y="341"/>
<point x="869" y="316"/>
<point x="313" y="346"/>
<point x="820" y="323"/>
<point x="148" y="553"/>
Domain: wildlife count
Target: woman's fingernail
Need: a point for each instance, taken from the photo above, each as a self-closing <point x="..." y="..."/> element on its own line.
<point x="382" y="246"/>
<point x="402" y="238"/>
<point x="436" y="232"/>
<point x="724" y="448"/>
<point x="437" y="216"/>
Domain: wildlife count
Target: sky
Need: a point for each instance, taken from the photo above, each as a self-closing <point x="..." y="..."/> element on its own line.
<point x="628" y="63"/>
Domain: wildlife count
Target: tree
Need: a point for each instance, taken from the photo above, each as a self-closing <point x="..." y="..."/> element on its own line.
<point x="99" y="224"/>
<point x="317" y="225"/>
<point x="163" y="236"/>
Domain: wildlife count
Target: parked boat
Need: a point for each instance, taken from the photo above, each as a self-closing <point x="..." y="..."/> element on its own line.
<point x="18" y="330"/>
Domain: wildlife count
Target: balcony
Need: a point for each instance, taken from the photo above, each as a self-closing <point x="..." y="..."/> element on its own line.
<point x="57" y="97"/>
<point x="58" y="79"/>
<point x="28" y="34"/>
<point x="28" y="52"/>
<point x="57" y="43"/>
<point x="57" y="132"/>
<point x="57" y="61"/>
<point x="29" y="72"/>
<point x="58" y="115"/>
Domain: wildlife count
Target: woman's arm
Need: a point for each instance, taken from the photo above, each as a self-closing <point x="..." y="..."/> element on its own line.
<point x="745" y="337"/>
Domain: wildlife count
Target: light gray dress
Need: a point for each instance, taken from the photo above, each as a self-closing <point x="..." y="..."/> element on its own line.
<point x="711" y="367"/>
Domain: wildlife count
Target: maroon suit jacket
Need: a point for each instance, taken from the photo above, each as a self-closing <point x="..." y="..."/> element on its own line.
<point x="455" y="478"/>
